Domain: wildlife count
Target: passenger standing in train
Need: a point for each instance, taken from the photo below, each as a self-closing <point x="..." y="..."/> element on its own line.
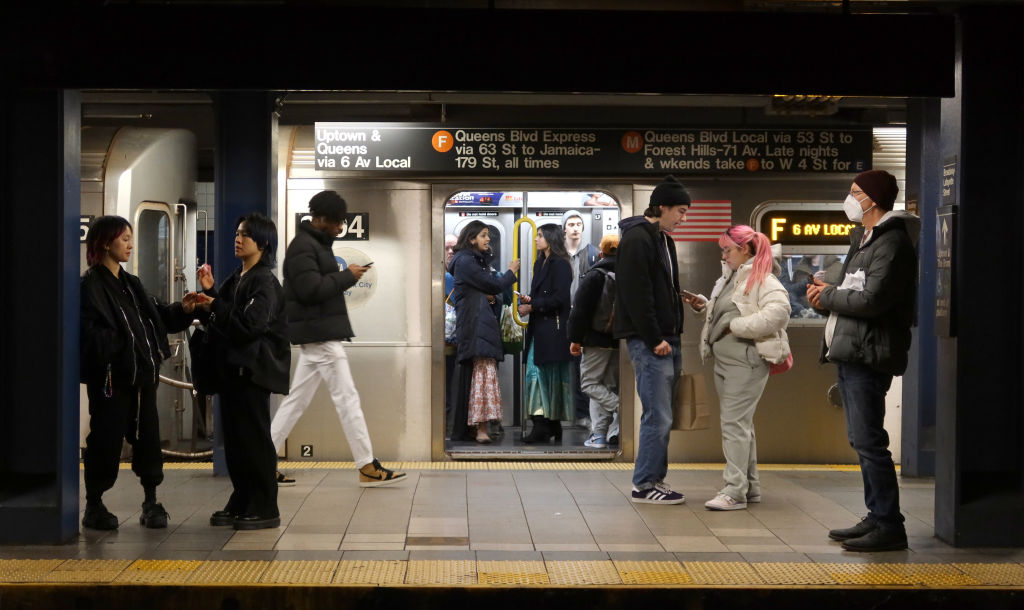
<point x="246" y="317"/>
<point x="649" y="316"/>
<point x="582" y="256"/>
<point x="868" y="335"/>
<point x="123" y="341"/>
<point x="449" y="350"/>
<point x="549" y="397"/>
<point x="314" y="291"/>
<point x="590" y="335"/>
<point x="477" y="297"/>
<point x="745" y="331"/>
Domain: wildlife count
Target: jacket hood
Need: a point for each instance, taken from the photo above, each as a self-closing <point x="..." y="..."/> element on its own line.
<point x="911" y="223"/>
<point x="318" y="235"/>
<point x="632" y="222"/>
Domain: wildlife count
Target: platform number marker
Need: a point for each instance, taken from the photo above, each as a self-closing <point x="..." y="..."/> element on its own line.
<point x="306" y="451"/>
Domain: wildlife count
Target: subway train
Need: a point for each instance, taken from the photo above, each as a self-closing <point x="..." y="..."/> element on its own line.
<point x="397" y="309"/>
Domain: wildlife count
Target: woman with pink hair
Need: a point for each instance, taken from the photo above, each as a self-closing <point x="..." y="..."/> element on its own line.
<point x="745" y="331"/>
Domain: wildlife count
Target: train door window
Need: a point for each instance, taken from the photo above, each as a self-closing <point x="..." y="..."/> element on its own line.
<point x="815" y="239"/>
<point x="153" y="241"/>
<point x="511" y="429"/>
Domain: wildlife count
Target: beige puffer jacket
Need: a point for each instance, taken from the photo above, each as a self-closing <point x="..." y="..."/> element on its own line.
<point x="764" y="314"/>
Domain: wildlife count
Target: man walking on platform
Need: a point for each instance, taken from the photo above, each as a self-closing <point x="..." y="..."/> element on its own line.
<point x="318" y="323"/>
<point x="649" y="315"/>
<point x="868" y="335"/>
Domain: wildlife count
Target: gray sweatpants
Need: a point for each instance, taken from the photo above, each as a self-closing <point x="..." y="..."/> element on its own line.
<point x="740" y="377"/>
<point x="599" y="379"/>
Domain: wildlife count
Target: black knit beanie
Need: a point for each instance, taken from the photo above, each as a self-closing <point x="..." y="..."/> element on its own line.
<point x="880" y="185"/>
<point x="670" y="192"/>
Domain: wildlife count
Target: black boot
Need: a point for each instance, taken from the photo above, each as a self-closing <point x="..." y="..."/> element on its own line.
<point x="556" y="429"/>
<point x="540" y="432"/>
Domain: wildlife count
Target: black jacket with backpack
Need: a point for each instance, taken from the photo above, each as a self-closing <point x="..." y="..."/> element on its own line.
<point x="596" y="286"/>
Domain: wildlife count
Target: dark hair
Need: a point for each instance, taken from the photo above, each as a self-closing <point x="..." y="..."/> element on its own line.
<point x="263" y="231"/>
<point x="102" y="232"/>
<point x="555" y="237"/>
<point x="328" y="204"/>
<point x="468" y="234"/>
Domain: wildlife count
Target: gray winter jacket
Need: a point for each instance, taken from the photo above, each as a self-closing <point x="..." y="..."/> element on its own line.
<point x="870" y="323"/>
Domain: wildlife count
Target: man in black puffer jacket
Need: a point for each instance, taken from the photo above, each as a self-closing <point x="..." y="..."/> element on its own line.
<point x="867" y="335"/>
<point x="318" y="323"/>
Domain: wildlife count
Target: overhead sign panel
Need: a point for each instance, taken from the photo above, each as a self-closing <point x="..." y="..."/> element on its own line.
<point x="515" y="151"/>
<point x="807" y="227"/>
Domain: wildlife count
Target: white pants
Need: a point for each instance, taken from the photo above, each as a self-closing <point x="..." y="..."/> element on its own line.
<point x="599" y="379"/>
<point x="326" y="361"/>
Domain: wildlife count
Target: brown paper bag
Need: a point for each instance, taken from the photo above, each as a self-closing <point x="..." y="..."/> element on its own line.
<point x="690" y="403"/>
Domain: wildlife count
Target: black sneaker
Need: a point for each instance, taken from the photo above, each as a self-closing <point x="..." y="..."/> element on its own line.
<point x="375" y="475"/>
<point x="882" y="538"/>
<point x="97" y="517"/>
<point x="153" y="515"/>
<point x="222" y="517"/>
<point x="659" y="494"/>
<point x="283" y="480"/>
<point x="866" y="526"/>
<point x="256" y="522"/>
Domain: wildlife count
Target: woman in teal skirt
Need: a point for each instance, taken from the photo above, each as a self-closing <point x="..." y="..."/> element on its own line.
<point x="548" y="395"/>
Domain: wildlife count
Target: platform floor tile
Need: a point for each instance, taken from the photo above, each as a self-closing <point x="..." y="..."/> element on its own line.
<point x="852" y="573"/>
<point x="441" y="572"/>
<point x="299" y="572"/>
<point x="722" y="573"/>
<point x="652" y="573"/>
<point x="994" y="574"/>
<point x="157" y="572"/>
<point x="784" y="573"/>
<point x="228" y="573"/>
<point x="512" y="573"/>
<point x="583" y="573"/>
<point x="370" y="572"/>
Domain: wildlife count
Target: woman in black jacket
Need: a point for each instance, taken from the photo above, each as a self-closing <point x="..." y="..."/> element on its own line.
<point x="245" y="316"/>
<point x="477" y="298"/>
<point x="548" y="395"/>
<point x="123" y="341"/>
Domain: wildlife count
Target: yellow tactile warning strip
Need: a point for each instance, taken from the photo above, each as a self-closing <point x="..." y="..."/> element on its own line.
<point x="652" y="573"/>
<point x="441" y="572"/>
<point x="536" y="573"/>
<point x="299" y="572"/>
<point x="722" y="573"/>
<point x="517" y="465"/>
<point x="997" y="574"/>
<point x="370" y="573"/>
<point x="793" y="573"/>
<point x="228" y="573"/>
<point x="583" y="573"/>
<point x="157" y="572"/>
<point x="511" y="573"/>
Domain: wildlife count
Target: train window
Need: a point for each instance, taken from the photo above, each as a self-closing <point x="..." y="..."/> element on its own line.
<point x="153" y="251"/>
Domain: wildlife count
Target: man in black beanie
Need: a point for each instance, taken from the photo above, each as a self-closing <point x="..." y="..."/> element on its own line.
<point x="649" y="316"/>
<point x="867" y="335"/>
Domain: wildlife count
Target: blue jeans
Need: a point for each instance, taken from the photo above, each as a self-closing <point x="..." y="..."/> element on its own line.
<point x="655" y="378"/>
<point x="863" y="390"/>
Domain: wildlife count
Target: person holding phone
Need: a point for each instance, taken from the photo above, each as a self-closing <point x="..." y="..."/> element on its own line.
<point x="318" y="322"/>
<point x="744" y="330"/>
<point x="123" y="341"/>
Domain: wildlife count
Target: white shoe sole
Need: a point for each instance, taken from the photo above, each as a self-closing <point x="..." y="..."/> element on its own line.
<point x="382" y="483"/>
<point x="737" y="506"/>
<point x="646" y="501"/>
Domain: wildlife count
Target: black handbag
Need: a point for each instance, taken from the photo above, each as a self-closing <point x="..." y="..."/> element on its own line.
<point x="207" y="362"/>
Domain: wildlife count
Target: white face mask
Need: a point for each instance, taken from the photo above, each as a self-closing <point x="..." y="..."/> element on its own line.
<point x="853" y="210"/>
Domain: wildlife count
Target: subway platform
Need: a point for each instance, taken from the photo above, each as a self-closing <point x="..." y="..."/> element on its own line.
<point x="507" y="534"/>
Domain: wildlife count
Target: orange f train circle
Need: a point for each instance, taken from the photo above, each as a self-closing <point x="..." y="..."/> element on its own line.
<point x="442" y="141"/>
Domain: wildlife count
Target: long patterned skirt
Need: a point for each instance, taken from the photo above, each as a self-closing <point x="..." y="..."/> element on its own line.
<point x="484" y="392"/>
<point x="547" y="389"/>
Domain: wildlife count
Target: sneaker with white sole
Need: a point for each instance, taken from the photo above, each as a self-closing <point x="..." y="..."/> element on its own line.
<point x="596" y="441"/>
<point x="659" y="494"/>
<point x="724" y="502"/>
<point x="375" y="475"/>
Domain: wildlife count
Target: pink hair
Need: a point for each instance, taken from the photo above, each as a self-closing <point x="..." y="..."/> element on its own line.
<point x="759" y="245"/>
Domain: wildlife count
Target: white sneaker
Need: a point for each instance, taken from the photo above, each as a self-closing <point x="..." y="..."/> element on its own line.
<point x="724" y="502"/>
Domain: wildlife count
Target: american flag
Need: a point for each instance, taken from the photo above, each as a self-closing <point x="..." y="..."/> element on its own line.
<point x="705" y="221"/>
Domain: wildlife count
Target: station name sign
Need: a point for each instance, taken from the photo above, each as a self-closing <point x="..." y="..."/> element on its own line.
<point x="360" y="147"/>
<point x="807" y="228"/>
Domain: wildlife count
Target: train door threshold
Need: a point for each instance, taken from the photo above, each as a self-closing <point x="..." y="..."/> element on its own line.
<point x="526" y="454"/>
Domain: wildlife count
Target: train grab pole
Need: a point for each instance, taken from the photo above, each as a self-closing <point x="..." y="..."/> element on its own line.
<point x="515" y="254"/>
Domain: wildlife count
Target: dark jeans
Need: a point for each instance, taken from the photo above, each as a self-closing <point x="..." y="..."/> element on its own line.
<point x="112" y="420"/>
<point x="248" y="449"/>
<point x="863" y="390"/>
<point x="655" y="378"/>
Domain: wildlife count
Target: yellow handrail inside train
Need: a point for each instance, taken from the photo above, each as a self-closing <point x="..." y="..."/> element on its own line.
<point x="515" y="254"/>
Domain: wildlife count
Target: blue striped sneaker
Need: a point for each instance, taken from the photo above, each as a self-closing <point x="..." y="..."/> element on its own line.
<point x="659" y="494"/>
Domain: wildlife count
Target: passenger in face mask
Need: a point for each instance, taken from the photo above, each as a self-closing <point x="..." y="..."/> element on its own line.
<point x="867" y="335"/>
